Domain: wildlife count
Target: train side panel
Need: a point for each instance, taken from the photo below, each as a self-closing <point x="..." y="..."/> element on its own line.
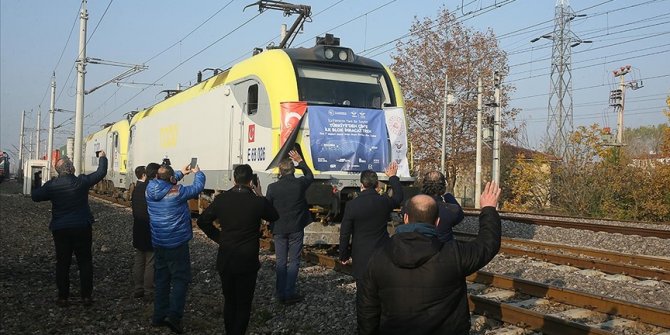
<point x="94" y="142"/>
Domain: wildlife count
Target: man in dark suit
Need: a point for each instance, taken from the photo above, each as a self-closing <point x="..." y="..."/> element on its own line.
<point x="288" y="196"/>
<point x="451" y="212"/>
<point x="366" y="218"/>
<point x="239" y="211"/>
<point x="71" y="221"/>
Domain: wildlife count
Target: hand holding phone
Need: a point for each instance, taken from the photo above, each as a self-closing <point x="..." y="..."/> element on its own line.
<point x="194" y="162"/>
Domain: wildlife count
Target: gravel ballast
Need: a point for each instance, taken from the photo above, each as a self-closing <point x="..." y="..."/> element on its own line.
<point x="27" y="266"/>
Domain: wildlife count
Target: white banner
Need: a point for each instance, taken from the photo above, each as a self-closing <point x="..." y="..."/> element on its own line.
<point x="397" y="129"/>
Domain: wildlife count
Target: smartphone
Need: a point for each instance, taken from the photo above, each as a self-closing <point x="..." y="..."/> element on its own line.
<point x="97" y="153"/>
<point x="254" y="179"/>
<point x="194" y="162"/>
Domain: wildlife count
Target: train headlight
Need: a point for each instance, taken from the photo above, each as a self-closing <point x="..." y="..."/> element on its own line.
<point x="329" y="53"/>
<point x="342" y="55"/>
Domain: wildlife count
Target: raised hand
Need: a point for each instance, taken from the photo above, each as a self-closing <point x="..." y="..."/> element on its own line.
<point x="392" y="169"/>
<point x="295" y="156"/>
<point x="490" y="195"/>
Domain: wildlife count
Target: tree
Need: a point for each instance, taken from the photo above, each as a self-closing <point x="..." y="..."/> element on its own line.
<point x="529" y="183"/>
<point x="665" y="145"/>
<point x="444" y="45"/>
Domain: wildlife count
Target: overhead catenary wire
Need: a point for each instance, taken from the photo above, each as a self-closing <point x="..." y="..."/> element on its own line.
<point x="182" y="63"/>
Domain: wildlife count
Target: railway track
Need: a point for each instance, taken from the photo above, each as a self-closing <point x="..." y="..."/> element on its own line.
<point x="548" y="309"/>
<point x="541" y="307"/>
<point x="635" y="228"/>
<point x="639" y="266"/>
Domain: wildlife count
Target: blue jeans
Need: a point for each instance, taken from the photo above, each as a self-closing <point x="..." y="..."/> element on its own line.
<point x="172" y="274"/>
<point x="287" y="248"/>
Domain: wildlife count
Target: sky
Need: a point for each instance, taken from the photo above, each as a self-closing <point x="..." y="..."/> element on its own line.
<point x="176" y="39"/>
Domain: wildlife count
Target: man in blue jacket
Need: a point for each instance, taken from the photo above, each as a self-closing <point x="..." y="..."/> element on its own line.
<point x="71" y="220"/>
<point x="170" y="220"/>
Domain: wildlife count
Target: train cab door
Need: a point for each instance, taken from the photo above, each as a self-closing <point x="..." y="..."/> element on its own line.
<point x="235" y="124"/>
<point x="112" y="155"/>
<point x="252" y="133"/>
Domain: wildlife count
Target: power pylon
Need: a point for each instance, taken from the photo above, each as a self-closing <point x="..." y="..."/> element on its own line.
<point x="560" y="124"/>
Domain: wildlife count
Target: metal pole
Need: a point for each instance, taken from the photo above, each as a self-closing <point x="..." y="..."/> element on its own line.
<point x="23" y="119"/>
<point x="79" y="107"/>
<point x="37" y="133"/>
<point x="444" y="122"/>
<point x="478" y="168"/>
<point x="52" y="111"/>
<point x="622" y="87"/>
<point x="496" y="138"/>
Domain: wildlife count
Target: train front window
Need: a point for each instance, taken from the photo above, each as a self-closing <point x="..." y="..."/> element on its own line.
<point x="339" y="87"/>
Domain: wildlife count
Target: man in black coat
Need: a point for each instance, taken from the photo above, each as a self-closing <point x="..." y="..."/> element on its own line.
<point x="143" y="267"/>
<point x="366" y="218"/>
<point x="287" y="195"/>
<point x="70" y="225"/>
<point x="450" y="211"/>
<point x="415" y="284"/>
<point x="239" y="212"/>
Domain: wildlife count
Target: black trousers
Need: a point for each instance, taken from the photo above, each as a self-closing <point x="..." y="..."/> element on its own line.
<point x="238" y="293"/>
<point x="77" y="241"/>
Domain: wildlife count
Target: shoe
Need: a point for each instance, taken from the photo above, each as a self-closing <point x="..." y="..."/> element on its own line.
<point x="62" y="302"/>
<point x="294" y="299"/>
<point x="87" y="301"/>
<point x="175" y="325"/>
<point x="161" y="323"/>
<point x="138" y="294"/>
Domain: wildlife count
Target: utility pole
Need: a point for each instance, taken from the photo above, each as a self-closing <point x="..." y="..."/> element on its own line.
<point x="496" y="130"/>
<point x="560" y="122"/>
<point x="37" y="133"/>
<point x="52" y="111"/>
<point x="618" y="99"/>
<point x="79" y="107"/>
<point x="478" y="168"/>
<point x="444" y="121"/>
<point x="23" y="119"/>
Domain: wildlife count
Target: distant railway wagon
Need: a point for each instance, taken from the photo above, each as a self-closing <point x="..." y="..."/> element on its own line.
<point x="344" y="112"/>
<point x="4" y="166"/>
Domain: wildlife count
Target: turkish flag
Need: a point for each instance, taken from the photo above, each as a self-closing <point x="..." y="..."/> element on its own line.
<point x="291" y="113"/>
<point x="251" y="134"/>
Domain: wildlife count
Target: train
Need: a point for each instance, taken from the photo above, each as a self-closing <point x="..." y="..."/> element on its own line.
<point x="4" y="166"/>
<point x="343" y="112"/>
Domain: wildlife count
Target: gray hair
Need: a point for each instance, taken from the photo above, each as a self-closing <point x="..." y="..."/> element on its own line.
<point x="286" y="167"/>
<point x="65" y="167"/>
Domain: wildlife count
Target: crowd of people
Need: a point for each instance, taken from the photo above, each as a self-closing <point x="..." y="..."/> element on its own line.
<point x="410" y="282"/>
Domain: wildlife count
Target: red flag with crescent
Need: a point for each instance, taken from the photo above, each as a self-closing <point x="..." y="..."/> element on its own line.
<point x="291" y="113"/>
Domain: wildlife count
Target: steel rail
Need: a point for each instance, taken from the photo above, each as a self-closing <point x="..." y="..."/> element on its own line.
<point x="547" y="324"/>
<point x="646" y="314"/>
<point x="537" y="321"/>
<point x="639" y="266"/>
<point x="597" y="227"/>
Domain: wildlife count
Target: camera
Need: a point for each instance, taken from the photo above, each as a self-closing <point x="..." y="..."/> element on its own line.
<point x="254" y="179"/>
<point x="166" y="161"/>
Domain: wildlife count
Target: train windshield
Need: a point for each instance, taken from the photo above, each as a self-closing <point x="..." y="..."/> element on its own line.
<point x="362" y="88"/>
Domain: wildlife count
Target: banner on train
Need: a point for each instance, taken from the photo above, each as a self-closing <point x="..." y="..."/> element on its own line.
<point x="397" y="130"/>
<point x="348" y="139"/>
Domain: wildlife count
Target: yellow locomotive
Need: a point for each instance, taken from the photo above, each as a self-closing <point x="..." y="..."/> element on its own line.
<point x="343" y="112"/>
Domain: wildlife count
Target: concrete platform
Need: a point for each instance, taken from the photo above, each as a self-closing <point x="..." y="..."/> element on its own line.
<point x="618" y="323"/>
<point x="577" y="314"/>
<point x="499" y="295"/>
<point x="508" y="330"/>
<point x="531" y="303"/>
